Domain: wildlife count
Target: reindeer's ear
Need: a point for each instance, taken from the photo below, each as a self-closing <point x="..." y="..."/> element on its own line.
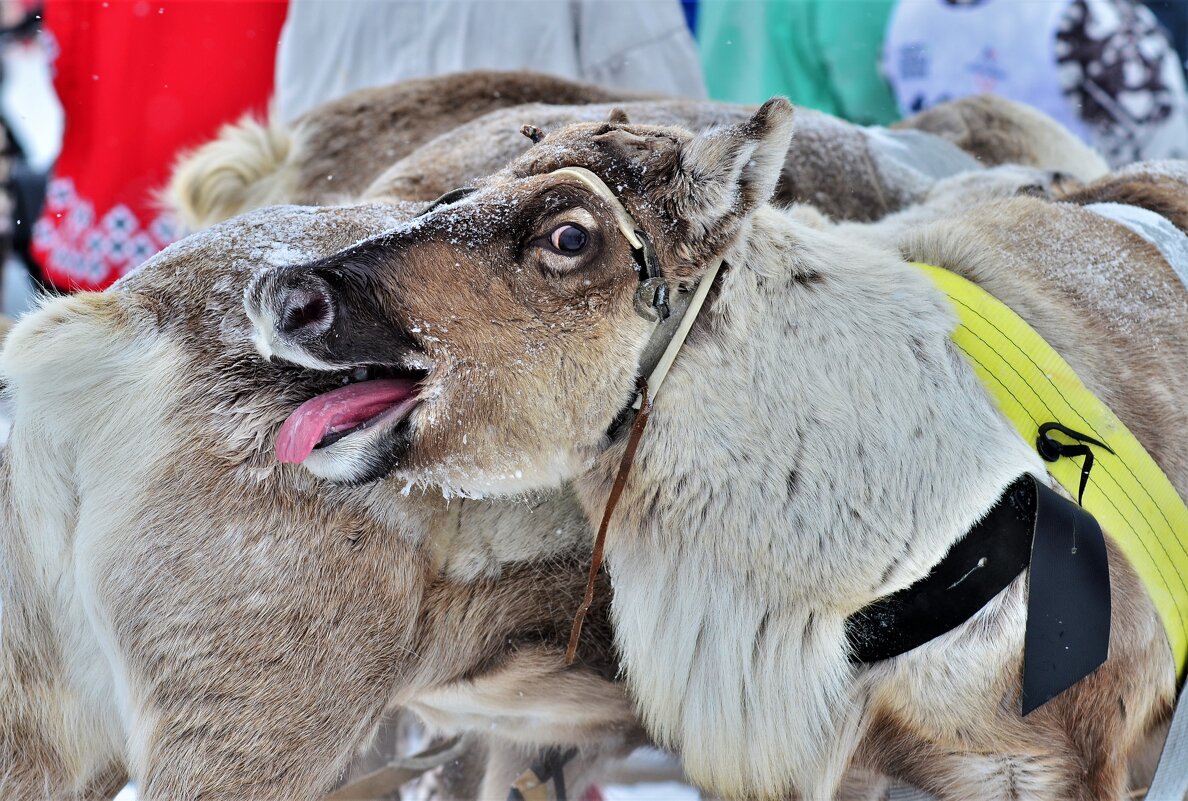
<point x="64" y="332"/>
<point x="618" y="116"/>
<point x="735" y="169"/>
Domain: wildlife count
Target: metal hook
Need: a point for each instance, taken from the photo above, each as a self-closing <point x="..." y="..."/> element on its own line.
<point x="1050" y="449"/>
<point x="651" y="300"/>
<point x="651" y="296"/>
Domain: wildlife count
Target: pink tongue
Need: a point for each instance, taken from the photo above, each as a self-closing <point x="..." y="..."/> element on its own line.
<point x="334" y="411"/>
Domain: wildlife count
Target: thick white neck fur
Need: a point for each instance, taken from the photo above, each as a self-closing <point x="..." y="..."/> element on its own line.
<point x="819" y="443"/>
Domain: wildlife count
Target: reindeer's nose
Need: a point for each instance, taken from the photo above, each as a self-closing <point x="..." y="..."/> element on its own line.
<point x="303" y="312"/>
<point x="289" y="304"/>
<point x="290" y="310"/>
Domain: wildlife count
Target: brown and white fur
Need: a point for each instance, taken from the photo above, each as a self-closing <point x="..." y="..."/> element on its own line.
<point x="416" y="140"/>
<point x="858" y="185"/>
<point x="179" y="608"/>
<point x="996" y="130"/>
<point x="846" y="171"/>
<point x="331" y="153"/>
<point x="819" y="443"/>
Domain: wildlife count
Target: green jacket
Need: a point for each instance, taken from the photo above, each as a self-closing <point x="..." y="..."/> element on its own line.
<point x="823" y="54"/>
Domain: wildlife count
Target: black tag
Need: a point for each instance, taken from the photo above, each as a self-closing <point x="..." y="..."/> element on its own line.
<point x="1068" y="599"/>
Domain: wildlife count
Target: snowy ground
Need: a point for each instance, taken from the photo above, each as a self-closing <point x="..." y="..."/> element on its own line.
<point x="666" y="791"/>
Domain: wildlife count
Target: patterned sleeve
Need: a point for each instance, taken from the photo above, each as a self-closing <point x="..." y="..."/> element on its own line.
<point x="1123" y="79"/>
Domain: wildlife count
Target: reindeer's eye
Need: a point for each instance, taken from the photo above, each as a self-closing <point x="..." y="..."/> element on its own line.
<point x="568" y="239"/>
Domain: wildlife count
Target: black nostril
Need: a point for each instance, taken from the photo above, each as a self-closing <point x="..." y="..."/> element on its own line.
<point x="305" y="311"/>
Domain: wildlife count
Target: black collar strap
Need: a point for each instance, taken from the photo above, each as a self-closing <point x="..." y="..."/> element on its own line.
<point x="1068" y="602"/>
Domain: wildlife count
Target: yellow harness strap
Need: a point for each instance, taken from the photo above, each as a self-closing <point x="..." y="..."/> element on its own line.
<point x="1127" y="492"/>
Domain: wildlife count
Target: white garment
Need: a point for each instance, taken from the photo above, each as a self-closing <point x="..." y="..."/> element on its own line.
<point x="936" y="51"/>
<point x="331" y="47"/>
<point x="1102" y="68"/>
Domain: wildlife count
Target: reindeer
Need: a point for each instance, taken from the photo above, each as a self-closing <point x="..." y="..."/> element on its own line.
<point x="373" y="125"/>
<point x="996" y="130"/>
<point x="331" y="153"/>
<point x="415" y="140"/>
<point x="180" y="609"/>
<point x="819" y="445"/>
<point x="846" y="171"/>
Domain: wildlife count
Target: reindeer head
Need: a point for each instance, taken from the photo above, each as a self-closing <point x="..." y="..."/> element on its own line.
<point x="495" y="339"/>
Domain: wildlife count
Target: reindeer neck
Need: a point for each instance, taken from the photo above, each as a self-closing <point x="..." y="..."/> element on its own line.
<point x="819" y="443"/>
<point x="820" y="397"/>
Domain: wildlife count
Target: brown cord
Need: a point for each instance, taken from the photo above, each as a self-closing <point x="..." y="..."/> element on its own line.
<point x="637" y="427"/>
